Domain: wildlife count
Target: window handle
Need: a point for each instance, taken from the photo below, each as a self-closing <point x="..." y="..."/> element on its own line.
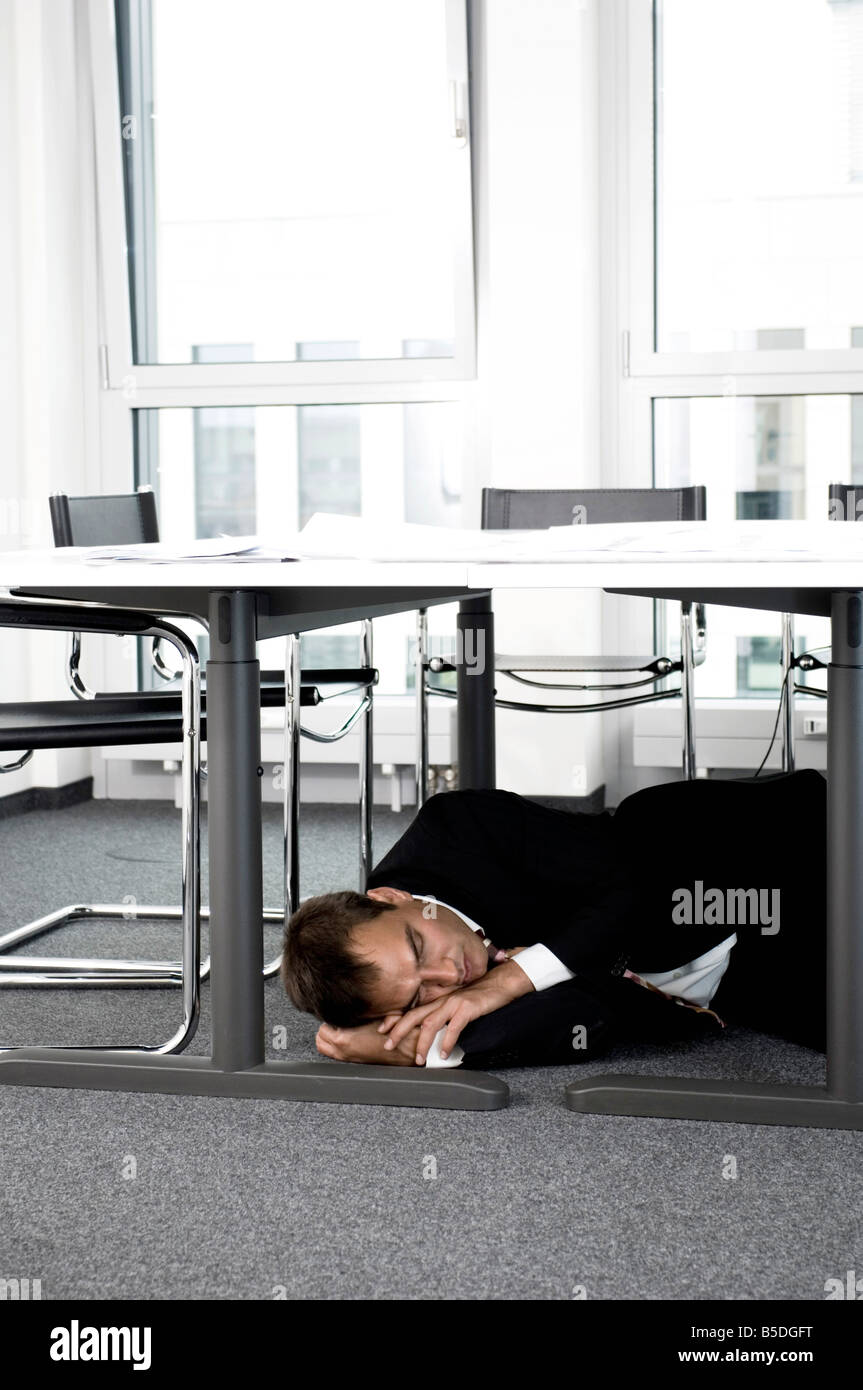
<point x="458" y="117"/>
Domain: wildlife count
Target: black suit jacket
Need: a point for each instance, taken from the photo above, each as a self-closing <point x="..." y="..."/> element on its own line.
<point x="597" y="891"/>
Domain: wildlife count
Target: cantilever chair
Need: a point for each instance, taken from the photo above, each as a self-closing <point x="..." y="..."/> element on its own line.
<point x="131" y="519"/>
<point x="107" y="720"/>
<point x="528" y="509"/>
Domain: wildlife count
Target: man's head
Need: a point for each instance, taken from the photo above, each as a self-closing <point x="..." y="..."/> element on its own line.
<point x="351" y="957"/>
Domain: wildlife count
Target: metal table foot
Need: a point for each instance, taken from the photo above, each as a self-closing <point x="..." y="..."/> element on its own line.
<point x="329" y="1082"/>
<point x="678" y="1098"/>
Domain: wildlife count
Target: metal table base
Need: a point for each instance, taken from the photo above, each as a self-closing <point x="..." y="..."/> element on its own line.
<point x="839" y="1104"/>
<point x="238" y="1066"/>
<point x="334" y="1082"/>
<point x="741" y="1102"/>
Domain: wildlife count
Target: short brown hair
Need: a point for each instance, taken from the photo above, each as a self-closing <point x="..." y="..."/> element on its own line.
<point x="319" y="971"/>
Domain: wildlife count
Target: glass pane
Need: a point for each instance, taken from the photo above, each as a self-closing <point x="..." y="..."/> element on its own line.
<point x="330" y="649"/>
<point x="239" y="470"/>
<point x="289" y="177"/>
<point x="224" y="456"/>
<point x="759" y="174"/>
<point x="760" y="458"/>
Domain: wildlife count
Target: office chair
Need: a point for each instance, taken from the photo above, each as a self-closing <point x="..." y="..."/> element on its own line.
<point x="107" y="720"/>
<point x="131" y="519"/>
<point x="535" y="509"/>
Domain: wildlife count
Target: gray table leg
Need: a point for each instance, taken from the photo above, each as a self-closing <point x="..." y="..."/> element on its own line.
<point x="475" y="677"/>
<point x="234" y="774"/>
<point x="844" y="856"/>
<point x="839" y="1105"/>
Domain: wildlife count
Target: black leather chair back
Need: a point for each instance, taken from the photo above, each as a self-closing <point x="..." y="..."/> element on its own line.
<point x="533" y="509"/>
<point x="845" y="502"/>
<point x="127" y="518"/>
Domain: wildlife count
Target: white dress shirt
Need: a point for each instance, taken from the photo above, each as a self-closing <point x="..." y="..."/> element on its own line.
<point x="696" y="982"/>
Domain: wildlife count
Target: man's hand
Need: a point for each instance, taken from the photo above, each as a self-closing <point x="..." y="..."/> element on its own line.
<point x="366" y="1044"/>
<point x="455" y="1010"/>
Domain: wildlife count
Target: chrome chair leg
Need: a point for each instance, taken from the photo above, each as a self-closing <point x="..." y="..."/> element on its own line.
<point x="787" y="692"/>
<point x="291" y="792"/>
<point x="687" y="669"/>
<point x="366" y="764"/>
<point x="26" y="971"/>
<point x="422" y="709"/>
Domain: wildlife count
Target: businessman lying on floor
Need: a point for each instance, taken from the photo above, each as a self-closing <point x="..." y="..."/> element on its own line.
<point x="498" y="932"/>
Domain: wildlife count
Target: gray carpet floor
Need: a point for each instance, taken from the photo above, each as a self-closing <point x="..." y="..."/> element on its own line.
<point x="107" y="1195"/>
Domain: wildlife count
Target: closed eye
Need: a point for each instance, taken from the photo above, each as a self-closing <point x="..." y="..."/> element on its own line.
<point x="412" y="942"/>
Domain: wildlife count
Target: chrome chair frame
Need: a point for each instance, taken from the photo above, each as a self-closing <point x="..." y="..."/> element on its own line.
<point x="26" y="971"/>
<point x="87" y="973"/>
<point x="693" y="654"/>
<point x="291" y="804"/>
<point x="31" y="972"/>
<point x="693" y="638"/>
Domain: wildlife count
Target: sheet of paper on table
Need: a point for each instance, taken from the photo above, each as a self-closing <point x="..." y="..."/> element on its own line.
<point x="234" y="548"/>
<point x="354" y="537"/>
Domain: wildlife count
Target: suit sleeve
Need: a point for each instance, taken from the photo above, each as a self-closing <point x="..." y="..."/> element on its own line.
<point x="578" y="1021"/>
<point x="596" y="915"/>
<point x="596" y="931"/>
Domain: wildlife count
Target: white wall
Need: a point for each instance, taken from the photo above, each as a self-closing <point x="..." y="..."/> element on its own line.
<point x="48" y="380"/>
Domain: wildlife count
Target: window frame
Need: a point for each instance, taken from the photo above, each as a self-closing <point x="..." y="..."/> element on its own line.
<point x="790" y="371"/>
<point x="282" y="382"/>
<point x="127" y="391"/>
<point x="634" y="373"/>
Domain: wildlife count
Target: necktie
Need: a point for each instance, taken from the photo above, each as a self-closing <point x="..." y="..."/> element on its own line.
<point x="495" y="955"/>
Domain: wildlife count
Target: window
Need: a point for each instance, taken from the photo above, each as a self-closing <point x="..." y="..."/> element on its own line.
<point x="224" y="467"/>
<point x="285" y="204"/>
<point x="760" y="458"/>
<point x="328" y="445"/>
<point x="266" y="469"/>
<point x="293" y="173"/>
<point x="742" y="277"/>
<point x="759" y="215"/>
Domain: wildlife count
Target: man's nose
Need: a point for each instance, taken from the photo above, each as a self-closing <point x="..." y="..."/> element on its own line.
<point x="446" y="973"/>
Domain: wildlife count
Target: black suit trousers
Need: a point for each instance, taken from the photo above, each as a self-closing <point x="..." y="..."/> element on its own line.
<point x="763" y="832"/>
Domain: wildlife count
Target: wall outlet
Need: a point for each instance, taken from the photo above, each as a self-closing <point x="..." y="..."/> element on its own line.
<point x="579" y="778"/>
<point x="814" y="725"/>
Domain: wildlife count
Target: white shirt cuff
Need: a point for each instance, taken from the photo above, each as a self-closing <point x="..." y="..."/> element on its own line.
<point x="542" y="967"/>
<point x="434" y="1058"/>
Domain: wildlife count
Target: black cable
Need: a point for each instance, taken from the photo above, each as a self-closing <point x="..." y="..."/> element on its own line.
<point x="783" y="695"/>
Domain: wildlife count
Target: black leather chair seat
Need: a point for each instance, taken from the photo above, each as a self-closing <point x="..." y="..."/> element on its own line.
<point x="153" y="717"/>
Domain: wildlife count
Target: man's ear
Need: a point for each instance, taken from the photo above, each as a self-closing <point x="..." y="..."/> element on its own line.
<point x="389" y="895"/>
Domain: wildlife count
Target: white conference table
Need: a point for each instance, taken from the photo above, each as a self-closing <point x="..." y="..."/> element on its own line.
<point x="248" y="601"/>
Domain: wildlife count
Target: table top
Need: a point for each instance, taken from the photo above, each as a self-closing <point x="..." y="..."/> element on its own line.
<point x="799" y="583"/>
<point x="69" y="571"/>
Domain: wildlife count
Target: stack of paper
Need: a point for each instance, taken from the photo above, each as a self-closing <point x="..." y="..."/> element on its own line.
<point x="233" y="548"/>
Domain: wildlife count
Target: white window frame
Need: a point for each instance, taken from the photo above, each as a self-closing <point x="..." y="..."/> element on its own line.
<point x="272" y="383"/>
<point x="126" y="387"/>
<point x="649" y="374"/>
<point x="633" y="374"/>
